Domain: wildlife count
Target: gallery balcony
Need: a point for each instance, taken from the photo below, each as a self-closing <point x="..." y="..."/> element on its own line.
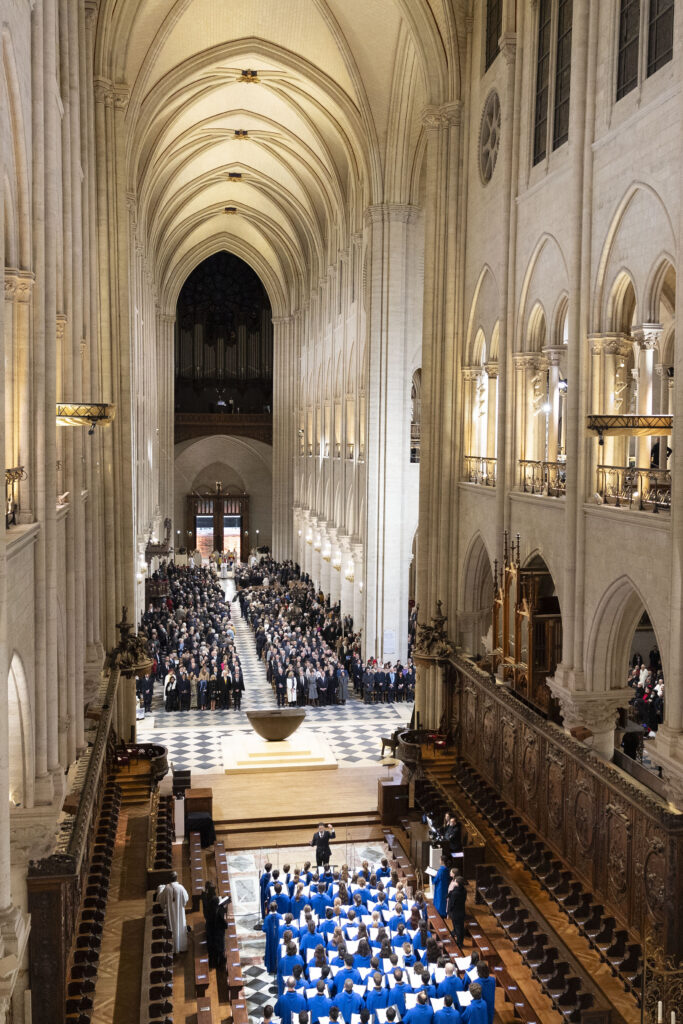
<point x="544" y="478"/>
<point x="635" y="488"/>
<point x="480" y="470"/>
<point x="258" y="426"/>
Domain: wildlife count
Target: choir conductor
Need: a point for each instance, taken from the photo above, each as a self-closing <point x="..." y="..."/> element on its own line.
<point x="321" y="841"/>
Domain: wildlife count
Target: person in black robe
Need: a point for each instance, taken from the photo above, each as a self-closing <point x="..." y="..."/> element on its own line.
<point x="455" y="904"/>
<point x="216" y="926"/>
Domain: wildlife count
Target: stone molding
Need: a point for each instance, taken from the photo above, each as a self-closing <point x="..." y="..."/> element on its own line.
<point x="596" y="711"/>
<point x="647" y="336"/>
<point x="384" y="213"/>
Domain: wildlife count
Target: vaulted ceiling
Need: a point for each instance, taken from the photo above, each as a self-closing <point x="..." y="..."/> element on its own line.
<point x="331" y="120"/>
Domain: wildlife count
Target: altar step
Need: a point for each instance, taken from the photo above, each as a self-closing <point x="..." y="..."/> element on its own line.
<point x="294" y="822"/>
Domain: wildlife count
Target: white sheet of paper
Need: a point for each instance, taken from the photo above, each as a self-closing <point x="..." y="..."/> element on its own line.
<point x="381" y="1014"/>
<point x="437" y="1004"/>
<point x="359" y="990"/>
<point x="463" y="962"/>
<point x="352" y="946"/>
<point x="411" y="1000"/>
<point x="314" y="973"/>
<point x="464" y="998"/>
<point x="364" y="971"/>
<point x="431" y="872"/>
<point x="439" y="974"/>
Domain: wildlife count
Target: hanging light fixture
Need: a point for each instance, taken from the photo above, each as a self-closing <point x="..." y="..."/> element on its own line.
<point x="87" y="414"/>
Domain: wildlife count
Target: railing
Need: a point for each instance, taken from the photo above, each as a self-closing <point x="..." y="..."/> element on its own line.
<point x="543" y="477"/>
<point x="480" y="471"/>
<point x="635" y="487"/>
<point x="414" y="442"/>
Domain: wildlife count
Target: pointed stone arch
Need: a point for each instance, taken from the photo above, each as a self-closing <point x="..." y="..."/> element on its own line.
<point x="476" y="596"/>
<point x="609" y="642"/>
<point x="21" y="750"/>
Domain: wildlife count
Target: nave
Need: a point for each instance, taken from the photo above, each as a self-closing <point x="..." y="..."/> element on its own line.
<point x="194" y="738"/>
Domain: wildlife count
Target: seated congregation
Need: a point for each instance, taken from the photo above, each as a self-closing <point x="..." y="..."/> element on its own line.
<point x="191" y="639"/>
<point x="312" y="656"/>
<point x="357" y="949"/>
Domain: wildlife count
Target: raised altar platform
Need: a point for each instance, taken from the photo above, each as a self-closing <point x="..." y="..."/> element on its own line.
<point x="245" y="753"/>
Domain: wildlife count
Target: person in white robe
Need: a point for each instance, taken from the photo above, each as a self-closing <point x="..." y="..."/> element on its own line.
<point x="173" y="900"/>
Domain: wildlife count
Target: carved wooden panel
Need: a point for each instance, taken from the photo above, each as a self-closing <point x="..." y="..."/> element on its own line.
<point x="624" y="843"/>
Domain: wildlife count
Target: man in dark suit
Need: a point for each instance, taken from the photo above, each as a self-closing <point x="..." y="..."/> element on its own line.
<point x="321" y="841"/>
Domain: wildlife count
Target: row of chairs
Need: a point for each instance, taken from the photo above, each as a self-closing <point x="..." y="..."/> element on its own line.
<point x="156" y="988"/>
<point x="612" y="943"/>
<point x="543" y="960"/>
<point x="162" y="836"/>
<point x="85" y="955"/>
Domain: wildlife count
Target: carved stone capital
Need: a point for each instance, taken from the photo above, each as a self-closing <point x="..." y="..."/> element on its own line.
<point x="61" y="325"/>
<point x="526" y="360"/>
<point x="647" y="336"/>
<point x="104" y="92"/>
<point x="18" y="284"/>
<point x="610" y="344"/>
<point x="437" y="118"/>
<point x="470" y="373"/>
<point x="383" y="213"/>
<point x="553" y="354"/>
<point x="594" y="711"/>
<point x="492" y="369"/>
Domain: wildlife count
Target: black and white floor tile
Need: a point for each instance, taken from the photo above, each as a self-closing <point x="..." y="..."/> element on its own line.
<point x="193" y="738"/>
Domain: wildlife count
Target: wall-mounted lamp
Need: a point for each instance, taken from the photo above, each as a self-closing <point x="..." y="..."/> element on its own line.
<point x="87" y="414"/>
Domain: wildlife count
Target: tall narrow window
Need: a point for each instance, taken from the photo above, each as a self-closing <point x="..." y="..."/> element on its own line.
<point x="562" y="73"/>
<point x="660" y="45"/>
<point x="629" y="37"/>
<point x="494" y="26"/>
<point x="542" y="81"/>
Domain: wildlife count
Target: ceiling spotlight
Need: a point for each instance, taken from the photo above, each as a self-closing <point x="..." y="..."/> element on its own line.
<point x="248" y="76"/>
<point x="241" y="133"/>
<point x="231" y="209"/>
<point x="234" y="175"/>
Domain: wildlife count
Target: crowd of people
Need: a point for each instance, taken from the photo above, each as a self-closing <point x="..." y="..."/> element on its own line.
<point x="648" y="683"/>
<point x="312" y="655"/>
<point x="345" y="946"/>
<point x="192" y="641"/>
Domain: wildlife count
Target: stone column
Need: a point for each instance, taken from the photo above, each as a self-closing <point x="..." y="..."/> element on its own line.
<point x="285" y="374"/>
<point x="346" y="582"/>
<point x="390" y="236"/>
<point x="325" y="557"/>
<point x="335" y="566"/>
<point x="552" y="355"/>
<point x="357" y="551"/>
<point x="469" y="379"/>
<point x="647" y="337"/>
<point x="492" y="375"/>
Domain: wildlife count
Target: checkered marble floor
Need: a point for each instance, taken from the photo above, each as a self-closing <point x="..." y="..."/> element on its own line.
<point x="193" y="738"/>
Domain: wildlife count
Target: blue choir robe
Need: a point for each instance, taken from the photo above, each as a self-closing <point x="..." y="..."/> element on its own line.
<point x="336" y="961"/>
<point x="319" y="1006"/>
<point x="264" y="882"/>
<point x="441" y="883"/>
<point x="283" y="901"/>
<point x="346" y="972"/>
<point x="348" y="1003"/>
<point x="377" y="999"/>
<point x="320" y="902"/>
<point x="284" y="970"/>
<point x="419" y="1015"/>
<point x="364" y="894"/>
<point x="271" y="926"/>
<point x="447" y="1015"/>
<point x="398" y="940"/>
<point x="449" y="987"/>
<point x="288" y="1004"/>
<point x="488" y="994"/>
<point x="397" y="996"/>
<point x="361" y="961"/>
<point x="327" y="927"/>
<point x="296" y="907"/>
<point x="419" y="942"/>
<point x="293" y="928"/>
<point x="476" y="1013"/>
<point x="309" y="940"/>
<point x="396" y="920"/>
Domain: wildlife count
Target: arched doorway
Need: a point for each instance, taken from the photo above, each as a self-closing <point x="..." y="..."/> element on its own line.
<point x="21" y="758"/>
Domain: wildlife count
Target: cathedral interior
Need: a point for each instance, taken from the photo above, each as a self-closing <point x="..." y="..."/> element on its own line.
<point x="386" y="289"/>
